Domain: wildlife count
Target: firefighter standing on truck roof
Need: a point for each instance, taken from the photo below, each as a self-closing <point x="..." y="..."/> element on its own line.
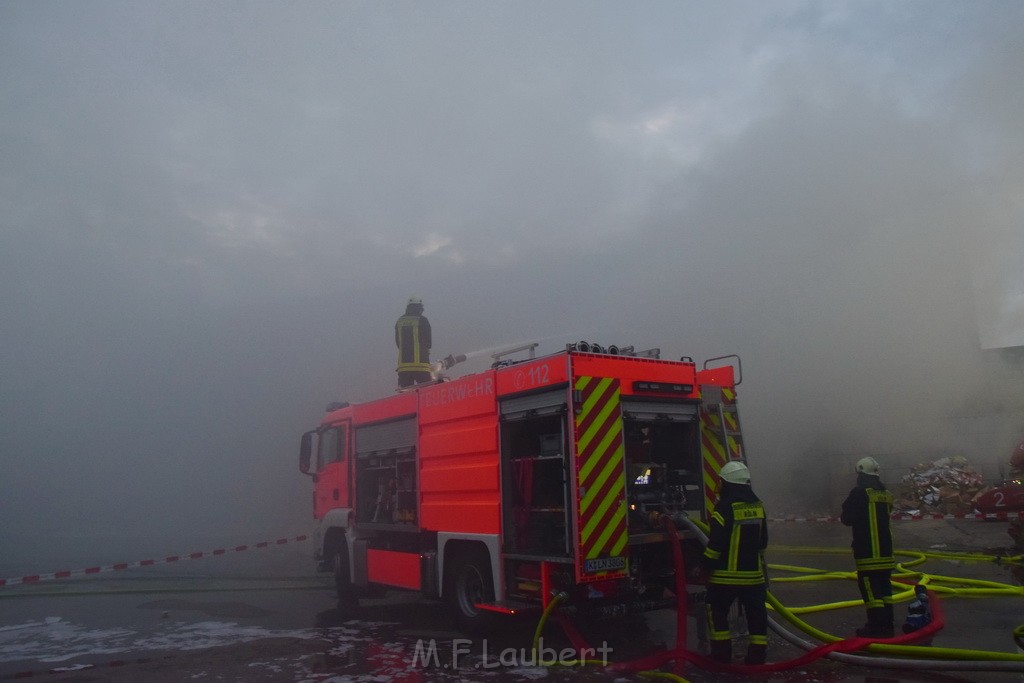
<point x="734" y="560"/>
<point x="412" y="336"/>
<point x="867" y="510"/>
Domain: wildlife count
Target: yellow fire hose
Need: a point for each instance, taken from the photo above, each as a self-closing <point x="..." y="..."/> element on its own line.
<point x="911" y="656"/>
<point x="925" y="653"/>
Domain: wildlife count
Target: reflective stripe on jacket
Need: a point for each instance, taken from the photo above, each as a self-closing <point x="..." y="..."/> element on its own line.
<point x="739" y="534"/>
<point x="412" y="335"/>
<point x="867" y="510"/>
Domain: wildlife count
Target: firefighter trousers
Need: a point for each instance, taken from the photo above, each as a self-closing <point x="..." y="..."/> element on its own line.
<point x="407" y="378"/>
<point x="752" y="598"/>
<point x="876" y="591"/>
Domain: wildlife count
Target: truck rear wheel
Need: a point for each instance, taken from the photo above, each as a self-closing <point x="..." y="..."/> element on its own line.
<point x="470" y="584"/>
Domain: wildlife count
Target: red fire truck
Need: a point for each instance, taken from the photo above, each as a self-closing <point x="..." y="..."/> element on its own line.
<point x="496" y="490"/>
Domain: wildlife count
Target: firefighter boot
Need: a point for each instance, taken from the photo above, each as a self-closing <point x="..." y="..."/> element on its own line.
<point x="721" y="651"/>
<point x="879" y="623"/>
<point x="888" y="619"/>
<point x="756" y="654"/>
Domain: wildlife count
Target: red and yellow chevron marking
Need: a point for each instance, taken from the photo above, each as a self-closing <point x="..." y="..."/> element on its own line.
<point x="601" y="477"/>
<point x="714" y="453"/>
<point x="712" y="456"/>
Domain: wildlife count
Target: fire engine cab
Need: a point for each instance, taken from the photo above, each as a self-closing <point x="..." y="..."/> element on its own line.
<point x="542" y="475"/>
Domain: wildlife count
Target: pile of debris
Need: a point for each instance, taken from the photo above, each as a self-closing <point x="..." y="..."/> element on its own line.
<point x="946" y="486"/>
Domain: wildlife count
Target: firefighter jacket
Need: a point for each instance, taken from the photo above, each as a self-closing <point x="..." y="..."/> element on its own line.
<point x="412" y="336"/>
<point x="867" y="510"/>
<point x="738" y="537"/>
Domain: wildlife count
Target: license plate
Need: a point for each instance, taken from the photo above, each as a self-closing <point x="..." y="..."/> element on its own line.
<point x="604" y="564"/>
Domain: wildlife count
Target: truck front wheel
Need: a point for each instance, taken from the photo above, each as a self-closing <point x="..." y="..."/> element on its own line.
<point x="342" y="576"/>
<point x="470" y="584"/>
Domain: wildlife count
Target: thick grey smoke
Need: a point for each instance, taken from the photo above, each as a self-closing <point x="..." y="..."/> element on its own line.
<point x="211" y="215"/>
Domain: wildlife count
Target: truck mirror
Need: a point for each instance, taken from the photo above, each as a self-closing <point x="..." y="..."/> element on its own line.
<point x="305" y="452"/>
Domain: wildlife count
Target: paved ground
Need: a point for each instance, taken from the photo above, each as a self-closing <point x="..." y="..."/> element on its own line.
<point x="268" y="619"/>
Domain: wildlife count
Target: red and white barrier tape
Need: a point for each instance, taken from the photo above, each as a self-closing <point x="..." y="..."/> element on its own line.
<point x="803" y="519"/>
<point x="68" y="573"/>
<point x="917" y="517"/>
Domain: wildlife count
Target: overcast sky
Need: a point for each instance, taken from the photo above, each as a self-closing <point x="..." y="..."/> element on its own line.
<point x="212" y="213"/>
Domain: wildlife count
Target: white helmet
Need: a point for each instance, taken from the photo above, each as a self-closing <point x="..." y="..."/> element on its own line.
<point x="868" y="466"/>
<point x="735" y="472"/>
<point x="415" y="300"/>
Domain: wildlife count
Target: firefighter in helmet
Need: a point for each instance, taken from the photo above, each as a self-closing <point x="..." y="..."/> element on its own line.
<point x="867" y="510"/>
<point x="734" y="562"/>
<point x="412" y="336"/>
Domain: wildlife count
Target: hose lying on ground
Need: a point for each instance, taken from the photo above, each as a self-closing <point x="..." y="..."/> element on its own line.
<point x="952" y="658"/>
<point x="913" y="657"/>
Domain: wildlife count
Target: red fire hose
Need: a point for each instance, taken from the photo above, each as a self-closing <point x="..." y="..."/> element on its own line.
<point x="681" y="655"/>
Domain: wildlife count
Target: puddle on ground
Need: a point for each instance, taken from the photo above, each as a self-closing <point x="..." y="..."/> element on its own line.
<point x="224" y="610"/>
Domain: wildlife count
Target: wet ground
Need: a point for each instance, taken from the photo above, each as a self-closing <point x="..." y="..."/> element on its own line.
<point x="264" y="616"/>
